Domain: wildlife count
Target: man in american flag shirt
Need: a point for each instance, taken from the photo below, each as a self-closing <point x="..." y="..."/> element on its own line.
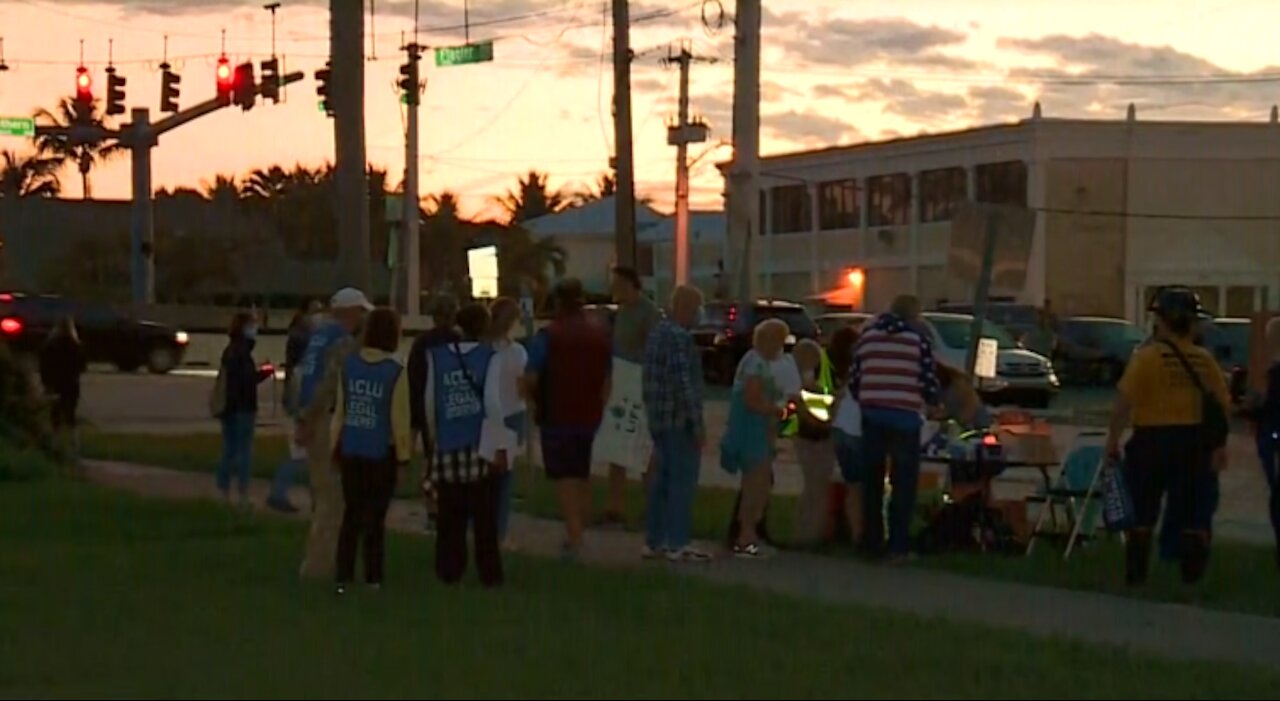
<point x="894" y="381"/>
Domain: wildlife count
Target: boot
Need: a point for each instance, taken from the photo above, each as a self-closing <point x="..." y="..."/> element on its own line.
<point x="1195" y="556"/>
<point x="1137" y="557"/>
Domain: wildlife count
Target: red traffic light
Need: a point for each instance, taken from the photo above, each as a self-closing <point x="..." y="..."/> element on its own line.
<point x="84" y="85"/>
<point x="224" y="71"/>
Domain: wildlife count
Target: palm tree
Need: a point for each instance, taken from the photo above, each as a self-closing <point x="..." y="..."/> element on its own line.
<point x="223" y="189"/>
<point x="72" y="113"/>
<point x="28" y="176"/>
<point x="532" y="198"/>
<point x="606" y="186"/>
<point x="526" y="260"/>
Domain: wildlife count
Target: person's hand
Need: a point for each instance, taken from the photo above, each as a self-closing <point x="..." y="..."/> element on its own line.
<point x="1113" y="446"/>
<point x="1219" y="459"/>
<point x="499" y="464"/>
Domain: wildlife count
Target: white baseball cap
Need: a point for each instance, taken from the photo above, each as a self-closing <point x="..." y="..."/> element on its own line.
<point x="349" y="298"/>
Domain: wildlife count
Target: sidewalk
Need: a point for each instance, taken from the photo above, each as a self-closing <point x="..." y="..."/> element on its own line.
<point x="1174" y="631"/>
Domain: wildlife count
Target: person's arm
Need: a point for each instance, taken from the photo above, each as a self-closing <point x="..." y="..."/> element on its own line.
<point x="1131" y="385"/>
<point x="401" y="428"/>
<point x="684" y="370"/>
<point x="502" y="438"/>
<point x="339" y="415"/>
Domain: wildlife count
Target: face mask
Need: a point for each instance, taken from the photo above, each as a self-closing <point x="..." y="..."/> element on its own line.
<point x="251" y="332"/>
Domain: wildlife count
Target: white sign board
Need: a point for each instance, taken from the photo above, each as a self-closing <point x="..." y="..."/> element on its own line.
<point x="624" y="434"/>
<point x="1014" y="228"/>
<point x="482" y="268"/>
<point x="985" y="366"/>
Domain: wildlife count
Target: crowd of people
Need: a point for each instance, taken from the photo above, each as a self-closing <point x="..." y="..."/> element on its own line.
<point x="468" y="391"/>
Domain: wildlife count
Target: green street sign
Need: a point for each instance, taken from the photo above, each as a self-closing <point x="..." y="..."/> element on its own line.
<point x="17" y="126"/>
<point x="462" y="55"/>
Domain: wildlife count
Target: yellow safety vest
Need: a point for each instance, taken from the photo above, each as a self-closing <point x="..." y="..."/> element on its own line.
<point x="818" y="403"/>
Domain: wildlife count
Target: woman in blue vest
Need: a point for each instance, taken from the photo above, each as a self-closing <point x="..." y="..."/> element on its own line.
<point x="463" y="410"/>
<point x="371" y="441"/>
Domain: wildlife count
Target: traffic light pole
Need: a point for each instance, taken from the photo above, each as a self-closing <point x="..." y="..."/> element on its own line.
<point x="413" y="246"/>
<point x="140" y="135"/>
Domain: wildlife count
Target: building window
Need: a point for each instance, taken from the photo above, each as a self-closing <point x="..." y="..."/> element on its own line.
<point x="1002" y="183"/>
<point x="888" y="200"/>
<point x="838" y="206"/>
<point x="941" y="192"/>
<point x="790" y="210"/>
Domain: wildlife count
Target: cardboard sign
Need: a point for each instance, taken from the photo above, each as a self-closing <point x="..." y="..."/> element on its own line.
<point x="624" y="434"/>
<point x="988" y="352"/>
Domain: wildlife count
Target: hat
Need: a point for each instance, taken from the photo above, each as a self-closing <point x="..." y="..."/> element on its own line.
<point x="350" y="298"/>
<point x="1174" y="302"/>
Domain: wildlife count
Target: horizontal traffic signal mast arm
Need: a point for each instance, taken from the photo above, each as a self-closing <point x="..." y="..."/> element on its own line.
<point x="208" y="106"/>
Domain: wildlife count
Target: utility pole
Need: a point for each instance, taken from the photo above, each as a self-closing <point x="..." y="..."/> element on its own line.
<point x="346" y="29"/>
<point x="412" y="244"/>
<point x="680" y="135"/>
<point x="744" y="174"/>
<point x="624" y="167"/>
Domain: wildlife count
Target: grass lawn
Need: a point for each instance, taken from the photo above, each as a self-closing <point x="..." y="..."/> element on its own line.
<point x="1241" y="578"/>
<point x="107" y="595"/>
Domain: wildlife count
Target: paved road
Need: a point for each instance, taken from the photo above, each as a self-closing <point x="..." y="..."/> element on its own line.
<point x="141" y="403"/>
<point x="1178" y="632"/>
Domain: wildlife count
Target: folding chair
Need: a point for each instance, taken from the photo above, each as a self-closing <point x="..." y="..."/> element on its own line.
<point x="1078" y="488"/>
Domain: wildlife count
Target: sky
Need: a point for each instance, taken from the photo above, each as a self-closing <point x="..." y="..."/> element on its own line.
<point x="834" y="72"/>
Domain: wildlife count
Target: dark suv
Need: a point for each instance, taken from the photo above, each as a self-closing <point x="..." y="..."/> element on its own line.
<point x="724" y="335"/>
<point x="1095" y="349"/>
<point x="108" y="336"/>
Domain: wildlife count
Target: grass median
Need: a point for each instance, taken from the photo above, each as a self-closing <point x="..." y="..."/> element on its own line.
<point x="1242" y="578"/>
<point x="109" y="595"/>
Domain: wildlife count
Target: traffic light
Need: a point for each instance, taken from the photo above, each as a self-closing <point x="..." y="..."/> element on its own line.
<point x="115" y="92"/>
<point x="408" y="83"/>
<point x="244" y="87"/>
<point x="225" y="80"/>
<point x="84" y="86"/>
<point x="271" y="79"/>
<point x="169" y="82"/>
<point x="322" y="87"/>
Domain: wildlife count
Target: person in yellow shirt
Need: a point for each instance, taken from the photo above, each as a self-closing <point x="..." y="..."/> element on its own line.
<point x="1173" y="455"/>
<point x="372" y="442"/>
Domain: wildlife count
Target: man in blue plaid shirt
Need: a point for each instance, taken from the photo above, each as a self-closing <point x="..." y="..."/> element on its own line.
<point x="673" y="394"/>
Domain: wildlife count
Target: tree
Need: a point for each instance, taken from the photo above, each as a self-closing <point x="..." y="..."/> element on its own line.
<point x="524" y="260"/>
<point x="606" y="186"/>
<point x="28" y="176"/>
<point x="222" y="190"/>
<point x="70" y="113"/>
<point x="446" y="237"/>
<point x="532" y="198"/>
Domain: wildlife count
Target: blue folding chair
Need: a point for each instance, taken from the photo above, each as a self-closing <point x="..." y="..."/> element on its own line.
<point x="1078" y="489"/>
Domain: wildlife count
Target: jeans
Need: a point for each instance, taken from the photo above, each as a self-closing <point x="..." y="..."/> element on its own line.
<point x="284" y="479"/>
<point x="237" y="450"/>
<point x="1269" y="455"/>
<point x="506" y="489"/>
<point x="880" y="443"/>
<point x="669" y="514"/>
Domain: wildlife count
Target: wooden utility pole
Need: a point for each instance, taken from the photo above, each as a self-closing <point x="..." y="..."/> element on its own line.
<point x="680" y="135"/>
<point x="351" y="204"/>
<point x="624" y="166"/>
<point x="744" y="174"/>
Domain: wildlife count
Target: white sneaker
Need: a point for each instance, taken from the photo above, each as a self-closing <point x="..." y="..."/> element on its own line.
<point x="688" y="554"/>
<point x="648" y="553"/>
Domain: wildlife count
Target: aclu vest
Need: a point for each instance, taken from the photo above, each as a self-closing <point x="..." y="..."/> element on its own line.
<point x="458" y="384"/>
<point x="366" y="392"/>
<point x="311" y="369"/>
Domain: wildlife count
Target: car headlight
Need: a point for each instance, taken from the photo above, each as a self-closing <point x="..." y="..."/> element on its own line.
<point x="181" y="338"/>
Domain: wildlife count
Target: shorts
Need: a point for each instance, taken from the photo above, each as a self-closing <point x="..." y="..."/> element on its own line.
<point x="849" y="457"/>
<point x="567" y="455"/>
<point x="296" y="452"/>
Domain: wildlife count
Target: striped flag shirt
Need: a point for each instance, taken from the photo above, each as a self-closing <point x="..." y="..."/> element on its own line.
<point x="893" y="367"/>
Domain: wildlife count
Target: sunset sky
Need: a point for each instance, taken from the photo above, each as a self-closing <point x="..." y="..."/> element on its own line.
<point x="834" y="72"/>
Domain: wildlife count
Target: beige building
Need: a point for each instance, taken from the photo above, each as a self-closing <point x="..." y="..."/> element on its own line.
<point x="1123" y="207"/>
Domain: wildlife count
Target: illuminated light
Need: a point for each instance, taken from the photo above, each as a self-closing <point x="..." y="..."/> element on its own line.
<point x="6" y="297"/>
<point x="733" y="314"/>
<point x="990" y="440"/>
<point x="224" y="72"/>
<point x="10" y="326"/>
<point x="181" y="338"/>
<point x="83" y="81"/>
<point x="857" y="277"/>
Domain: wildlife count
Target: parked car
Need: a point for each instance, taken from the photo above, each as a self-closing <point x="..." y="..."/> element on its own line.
<point x="604" y="313"/>
<point x="108" y="336"/>
<point x="1016" y="318"/>
<point x="1228" y="339"/>
<point x="834" y="321"/>
<point x="1022" y="377"/>
<point x="724" y="335"/>
<point x="1095" y="349"/>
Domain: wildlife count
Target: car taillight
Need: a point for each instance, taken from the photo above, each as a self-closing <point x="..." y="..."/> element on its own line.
<point x="10" y="326"/>
<point x="181" y="338"/>
<point x="733" y="314"/>
<point x="6" y="297"/>
<point x="728" y="333"/>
